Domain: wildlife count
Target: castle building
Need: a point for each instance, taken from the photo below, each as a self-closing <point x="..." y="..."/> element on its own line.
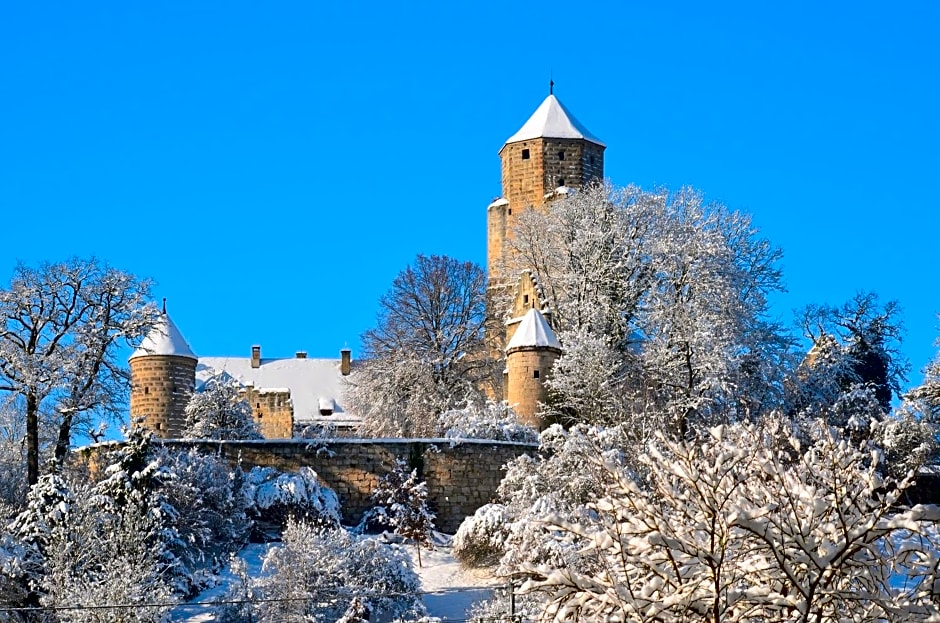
<point x="551" y="156"/>
<point x="287" y="395"/>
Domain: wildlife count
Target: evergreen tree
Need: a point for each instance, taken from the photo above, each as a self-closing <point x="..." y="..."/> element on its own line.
<point x="401" y="501"/>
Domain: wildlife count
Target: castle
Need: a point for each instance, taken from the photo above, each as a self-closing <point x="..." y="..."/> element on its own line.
<point x="550" y="156"/>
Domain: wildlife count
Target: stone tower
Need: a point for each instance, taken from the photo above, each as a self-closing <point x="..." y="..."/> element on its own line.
<point x="550" y="156"/>
<point x="163" y="376"/>
<point x="551" y="152"/>
<point x="530" y="355"/>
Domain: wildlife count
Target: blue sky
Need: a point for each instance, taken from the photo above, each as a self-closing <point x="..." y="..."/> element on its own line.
<point x="272" y="166"/>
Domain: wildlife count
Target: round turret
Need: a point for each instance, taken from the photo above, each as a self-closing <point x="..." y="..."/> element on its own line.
<point x="530" y="356"/>
<point x="163" y="376"/>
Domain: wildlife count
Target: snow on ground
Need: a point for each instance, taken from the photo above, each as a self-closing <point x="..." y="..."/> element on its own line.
<point x="450" y="589"/>
<point x="195" y="613"/>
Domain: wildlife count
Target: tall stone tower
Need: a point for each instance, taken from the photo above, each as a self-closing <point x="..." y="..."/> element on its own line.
<point x="163" y="376"/>
<point x="550" y="156"/>
<point x="530" y="355"/>
<point x="552" y="151"/>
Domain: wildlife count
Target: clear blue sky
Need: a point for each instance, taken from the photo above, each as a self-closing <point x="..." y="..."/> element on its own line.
<point x="272" y="166"/>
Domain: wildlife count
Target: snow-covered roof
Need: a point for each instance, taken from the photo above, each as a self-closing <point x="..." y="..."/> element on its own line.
<point x="552" y="120"/>
<point x="164" y="339"/>
<point x="498" y="202"/>
<point x="534" y="330"/>
<point x="313" y="383"/>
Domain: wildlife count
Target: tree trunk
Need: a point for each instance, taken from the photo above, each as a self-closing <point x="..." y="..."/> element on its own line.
<point x="65" y="437"/>
<point x="32" y="439"/>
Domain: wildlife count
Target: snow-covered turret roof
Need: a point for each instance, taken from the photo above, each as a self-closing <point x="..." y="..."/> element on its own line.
<point x="534" y="330"/>
<point x="164" y="339"/>
<point x="552" y="120"/>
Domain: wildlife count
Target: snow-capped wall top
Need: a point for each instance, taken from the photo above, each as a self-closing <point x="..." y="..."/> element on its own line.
<point x="533" y="331"/>
<point x="164" y="339"/>
<point x="552" y="120"/>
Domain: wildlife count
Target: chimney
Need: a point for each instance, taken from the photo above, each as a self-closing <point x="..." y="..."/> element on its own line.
<point x="301" y="354"/>
<point x="345" y="361"/>
<point x="255" y="356"/>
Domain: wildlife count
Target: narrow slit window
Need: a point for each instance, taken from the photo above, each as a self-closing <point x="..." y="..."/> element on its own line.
<point x="561" y="155"/>
<point x="535" y="374"/>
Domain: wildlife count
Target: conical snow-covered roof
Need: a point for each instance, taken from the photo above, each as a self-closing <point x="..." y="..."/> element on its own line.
<point x="164" y="339"/>
<point x="533" y="331"/>
<point x="552" y="120"/>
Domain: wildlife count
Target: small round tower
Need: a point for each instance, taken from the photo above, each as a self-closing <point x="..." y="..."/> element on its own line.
<point x="163" y="376"/>
<point x="530" y="355"/>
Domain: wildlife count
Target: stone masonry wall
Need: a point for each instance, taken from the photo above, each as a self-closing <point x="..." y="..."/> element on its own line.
<point x="460" y="478"/>
<point x="273" y="412"/>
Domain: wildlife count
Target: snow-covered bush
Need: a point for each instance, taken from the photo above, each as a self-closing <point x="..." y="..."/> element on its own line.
<point x="724" y="528"/>
<point x="323" y="574"/>
<point x="480" y="540"/>
<point x="219" y="411"/>
<point x="559" y="482"/>
<point x="209" y="502"/>
<point x="18" y="563"/>
<point x="492" y="420"/>
<point x="908" y="438"/>
<point x="274" y="496"/>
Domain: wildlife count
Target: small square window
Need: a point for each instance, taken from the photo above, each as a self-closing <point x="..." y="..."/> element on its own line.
<point x="561" y="155"/>
<point x="525" y="154"/>
<point x="535" y="374"/>
<point x="561" y="182"/>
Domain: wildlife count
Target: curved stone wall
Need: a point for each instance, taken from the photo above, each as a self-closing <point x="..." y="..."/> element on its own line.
<point x="461" y="476"/>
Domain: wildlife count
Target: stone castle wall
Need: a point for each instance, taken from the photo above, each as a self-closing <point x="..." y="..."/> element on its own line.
<point x="160" y="391"/>
<point x="272" y="410"/>
<point x="460" y="478"/>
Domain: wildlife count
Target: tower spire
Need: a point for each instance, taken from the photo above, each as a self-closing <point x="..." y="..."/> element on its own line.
<point x="164" y="304"/>
<point x="551" y="83"/>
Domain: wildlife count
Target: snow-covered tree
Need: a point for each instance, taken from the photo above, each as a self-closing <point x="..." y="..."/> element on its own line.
<point x="856" y="343"/>
<point x="491" y="420"/>
<point x="727" y="528"/>
<point x="661" y="302"/>
<point x="219" y="411"/>
<point x="12" y="461"/>
<point x="426" y="354"/>
<point x="325" y="574"/>
<point x="60" y="329"/>
<point x="401" y="501"/>
<point x="105" y="544"/>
